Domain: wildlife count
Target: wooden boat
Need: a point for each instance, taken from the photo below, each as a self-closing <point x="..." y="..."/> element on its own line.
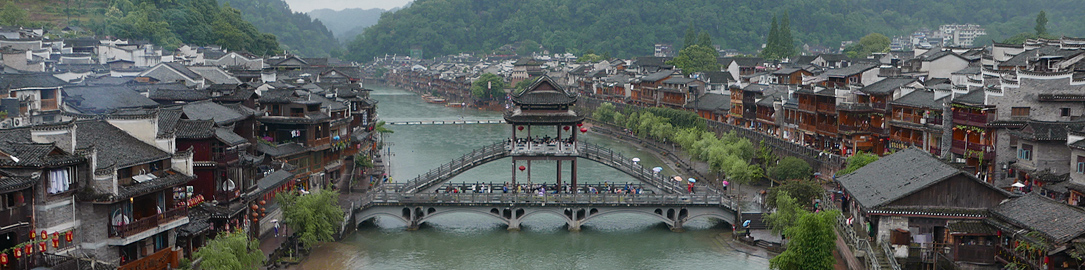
<point x="455" y="105"/>
<point x="433" y="99"/>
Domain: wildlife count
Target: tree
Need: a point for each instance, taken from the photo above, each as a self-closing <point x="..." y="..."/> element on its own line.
<point x="12" y="15"/>
<point x="590" y="58"/>
<point x="786" y="45"/>
<point x="691" y="37"/>
<point x="315" y="217"/>
<point x="871" y="43"/>
<point x="1041" y="23"/>
<point x="363" y="161"/>
<point x="231" y="251"/>
<point x="696" y="58"/>
<point x="787" y="211"/>
<point x="803" y="191"/>
<point x="488" y="86"/>
<point x="857" y="161"/>
<point x="705" y="40"/>
<point x="791" y="168"/>
<point x="522" y="85"/>
<point x="771" y="50"/>
<point x="812" y="243"/>
<point x="605" y="112"/>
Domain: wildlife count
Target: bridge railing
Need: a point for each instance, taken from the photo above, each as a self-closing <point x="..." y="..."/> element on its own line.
<point x="851" y="238"/>
<point x="454" y="167"/>
<point x="386" y="196"/>
<point x="626" y="164"/>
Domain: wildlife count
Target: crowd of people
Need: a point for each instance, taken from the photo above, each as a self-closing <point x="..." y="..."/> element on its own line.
<point x="545" y="140"/>
<point x="542" y="189"/>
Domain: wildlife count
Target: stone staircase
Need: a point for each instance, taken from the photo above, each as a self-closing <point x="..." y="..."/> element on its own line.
<point x="882" y="259"/>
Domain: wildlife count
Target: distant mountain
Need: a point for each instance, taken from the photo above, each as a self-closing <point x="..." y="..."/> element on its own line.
<point x="347" y="23"/>
<point x="627" y="28"/>
<point x="297" y="32"/>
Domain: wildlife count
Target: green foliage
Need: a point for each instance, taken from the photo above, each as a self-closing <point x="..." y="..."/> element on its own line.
<point x="590" y="58"/>
<point x="871" y="43"/>
<point x="314" y="217"/>
<point x="803" y="191"/>
<point x="779" y="44"/>
<point x="605" y="113"/>
<point x="697" y="58"/>
<point x="691" y="37"/>
<point x="791" y="168"/>
<point x="812" y="243"/>
<point x="231" y="251"/>
<point x="296" y="32"/>
<point x="522" y="85"/>
<point x="380" y="128"/>
<point x="787" y="212"/>
<point x="527" y="47"/>
<point x="363" y="161"/>
<point x="196" y="22"/>
<point x="12" y="15"/>
<point x="489" y="86"/>
<point x="705" y="40"/>
<point x="857" y="161"/>
<point x="1041" y="23"/>
<point x="786" y="43"/>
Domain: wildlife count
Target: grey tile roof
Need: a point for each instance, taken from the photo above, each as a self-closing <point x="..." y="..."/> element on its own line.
<point x="678" y="80"/>
<point x="976" y="97"/>
<point x="711" y="102"/>
<point x="206" y="110"/>
<point x="920" y="99"/>
<point x="13" y="183"/>
<point x="104" y="98"/>
<point x="718" y="77"/>
<point x="1056" y="220"/>
<point x="538" y="94"/>
<point x="229" y="137"/>
<point x="273" y="180"/>
<point x="886" y="86"/>
<point x="169" y="180"/>
<point x="178" y="95"/>
<point x="850" y="70"/>
<point x="655" y="77"/>
<point x="281" y="150"/>
<point x="195" y="129"/>
<point x="182" y="69"/>
<point x="972" y="70"/>
<point x="215" y="75"/>
<point x="167" y="119"/>
<point x="114" y="146"/>
<point x="895" y="176"/>
<point x="24" y="80"/>
<point x="1047" y="131"/>
<point x="35" y="154"/>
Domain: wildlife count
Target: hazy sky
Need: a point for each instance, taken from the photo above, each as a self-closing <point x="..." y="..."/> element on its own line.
<point x="310" y="5"/>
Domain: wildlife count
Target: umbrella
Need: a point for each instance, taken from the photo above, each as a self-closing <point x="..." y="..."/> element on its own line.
<point x="691" y="180"/>
<point x="746" y="223"/>
<point x="1018" y="185"/>
<point x="636" y="159"/>
<point x="678" y="178"/>
<point x="657" y="169"/>
<point x="726" y="183"/>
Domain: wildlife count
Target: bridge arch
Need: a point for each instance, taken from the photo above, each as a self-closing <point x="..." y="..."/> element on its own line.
<point x="608" y="212"/>
<point x="557" y="212"/>
<point x="373" y="214"/>
<point x="440" y="211"/>
<point x="729" y="219"/>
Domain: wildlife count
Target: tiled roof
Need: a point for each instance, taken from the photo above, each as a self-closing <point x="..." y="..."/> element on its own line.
<point x="24" y="80"/>
<point x="167" y="119"/>
<point x="114" y="146"/>
<point x="538" y="94"/>
<point x="229" y="137"/>
<point x="1047" y="131"/>
<point x="206" y="110"/>
<point x="13" y="183"/>
<point x="970" y="227"/>
<point x="1057" y="221"/>
<point x="920" y="99"/>
<point x="895" y="176"/>
<point x="718" y="77"/>
<point x="886" y="86"/>
<point x="850" y="70"/>
<point x="655" y="77"/>
<point x="976" y="97"/>
<point x="104" y="98"/>
<point x="281" y="150"/>
<point x="273" y="180"/>
<point x="171" y="179"/>
<point x="711" y="102"/>
<point x="195" y="129"/>
<point x="178" y="95"/>
<point x="182" y="69"/>
<point x="35" y="154"/>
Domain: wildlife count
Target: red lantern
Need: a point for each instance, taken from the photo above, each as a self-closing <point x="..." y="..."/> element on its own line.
<point x="262" y="210"/>
<point x="28" y="249"/>
<point x="1047" y="260"/>
<point x="4" y="259"/>
<point x="254" y="207"/>
<point x="999" y="232"/>
<point x="263" y="202"/>
<point x="263" y="214"/>
<point x="254" y="220"/>
<point x="41" y="247"/>
<point x="56" y="242"/>
<point x="44" y="235"/>
<point x="520" y="128"/>
<point x="18" y="252"/>
<point x="254" y="214"/>
<point x="566" y="128"/>
<point x="68" y="236"/>
<point x="579" y="124"/>
<point x="522" y="168"/>
<point x="33" y="235"/>
<point x="583" y="130"/>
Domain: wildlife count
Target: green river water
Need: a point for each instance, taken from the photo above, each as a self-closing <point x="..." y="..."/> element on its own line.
<point x="471" y="241"/>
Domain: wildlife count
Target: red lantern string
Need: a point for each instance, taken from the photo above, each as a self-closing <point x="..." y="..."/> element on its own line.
<point x="522" y="168"/>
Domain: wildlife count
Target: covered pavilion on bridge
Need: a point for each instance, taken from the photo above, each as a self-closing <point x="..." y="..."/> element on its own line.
<point x="542" y="105"/>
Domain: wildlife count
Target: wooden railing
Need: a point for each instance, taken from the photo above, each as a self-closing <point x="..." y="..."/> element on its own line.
<point x="320" y="141"/>
<point x="807" y="107"/>
<point x="147" y="223"/>
<point x="164" y="259"/>
<point x="829" y="108"/>
<point x="973" y="119"/>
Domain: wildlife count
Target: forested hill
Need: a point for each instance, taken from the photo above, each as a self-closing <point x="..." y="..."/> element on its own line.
<point x="344" y="22"/>
<point x="171" y="23"/>
<point x="297" y="32"/>
<point x="630" y="27"/>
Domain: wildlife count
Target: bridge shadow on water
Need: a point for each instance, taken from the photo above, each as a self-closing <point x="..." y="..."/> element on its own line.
<point x="473" y="223"/>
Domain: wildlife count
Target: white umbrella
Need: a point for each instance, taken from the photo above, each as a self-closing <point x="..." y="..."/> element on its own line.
<point x="657" y="169"/>
<point x="678" y="178"/>
<point x="691" y="180"/>
<point x="636" y="159"/>
<point x="1018" y="185"/>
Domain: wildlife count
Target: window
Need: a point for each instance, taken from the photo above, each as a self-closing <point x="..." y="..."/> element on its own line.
<point x="1025" y="152"/>
<point x="59" y="181"/>
<point x="1065" y="111"/>
<point x="1019" y="112"/>
<point x="1081" y="164"/>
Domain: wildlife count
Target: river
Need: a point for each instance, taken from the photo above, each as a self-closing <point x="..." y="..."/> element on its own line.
<point x="470" y="241"/>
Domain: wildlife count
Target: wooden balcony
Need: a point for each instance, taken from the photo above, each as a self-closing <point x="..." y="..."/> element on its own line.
<point x="910" y="118"/>
<point x="320" y="141"/>
<point x="972" y="119"/>
<point x="827" y="128"/>
<point x="15" y="215"/>
<point x="976" y="150"/>
<point x="853" y="129"/>
<point x="975" y="254"/>
<point x="936" y="151"/>
<point x="49" y="105"/>
<point x="880" y="106"/>
<point x="163" y="259"/>
<point x="147" y="223"/>
<point x="808" y="127"/>
<point x="826" y="107"/>
<point x="810" y="107"/>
